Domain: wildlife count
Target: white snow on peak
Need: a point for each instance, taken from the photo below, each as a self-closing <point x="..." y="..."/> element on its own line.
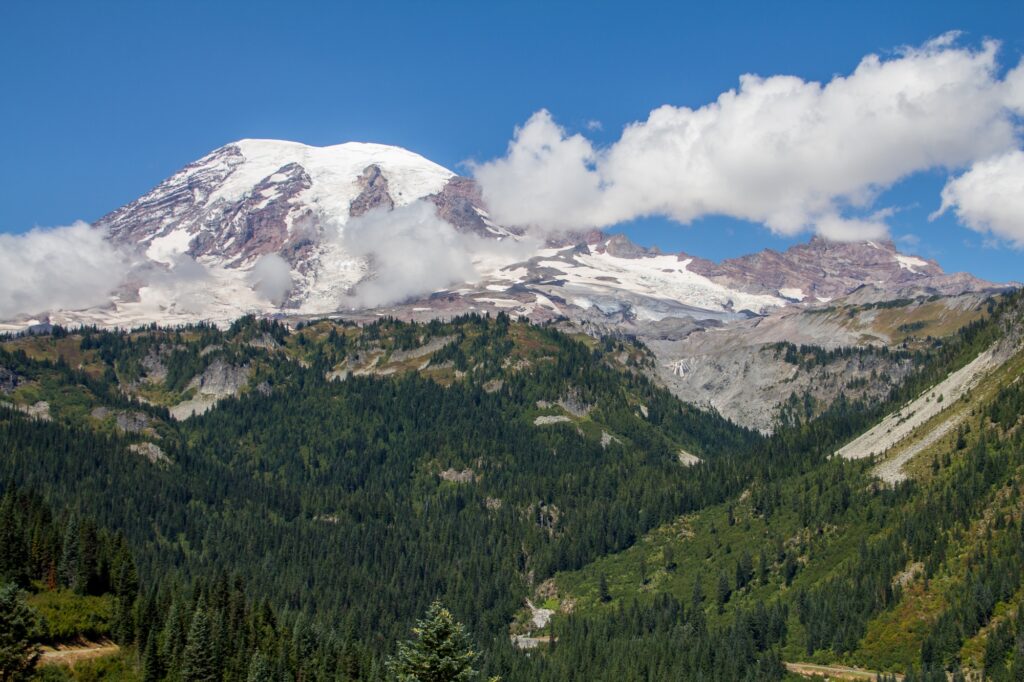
<point x="168" y="248"/>
<point x="792" y="293"/>
<point x="333" y="171"/>
<point x="910" y="263"/>
<point x="660" y="277"/>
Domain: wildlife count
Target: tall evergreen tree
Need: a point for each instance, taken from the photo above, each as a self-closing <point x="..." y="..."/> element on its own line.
<point x="152" y="666"/>
<point x="199" y="660"/>
<point x="70" y="558"/>
<point x="13" y="550"/>
<point x="18" y="655"/>
<point x="259" y="669"/>
<point x="439" y="652"/>
<point x="603" y="593"/>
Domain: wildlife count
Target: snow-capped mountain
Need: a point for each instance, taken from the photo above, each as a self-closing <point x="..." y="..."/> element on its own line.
<point x="207" y="240"/>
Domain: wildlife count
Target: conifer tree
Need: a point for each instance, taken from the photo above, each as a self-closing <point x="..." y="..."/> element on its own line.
<point x="13" y="549"/>
<point x="17" y="626"/>
<point x="259" y="669"/>
<point x="70" y="558"/>
<point x="439" y="652"/>
<point x="723" y="593"/>
<point x="199" y="660"/>
<point x="152" y="667"/>
<point x="603" y="593"/>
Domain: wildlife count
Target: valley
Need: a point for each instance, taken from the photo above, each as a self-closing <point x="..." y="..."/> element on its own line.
<point x="539" y="472"/>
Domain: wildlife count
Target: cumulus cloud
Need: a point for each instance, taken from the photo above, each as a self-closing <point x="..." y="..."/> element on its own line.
<point x="69" y="268"/>
<point x="271" y="277"/>
<point x="75" y="267"/>
<point x="413" y="252"/>
<point x="788" y="153"/>
<point x="989" y="197"/>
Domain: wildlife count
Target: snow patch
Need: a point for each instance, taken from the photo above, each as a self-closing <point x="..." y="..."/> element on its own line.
<point x="792" y="293"/>
<point x="910" y="263"/>
<point x="168" y="248"/>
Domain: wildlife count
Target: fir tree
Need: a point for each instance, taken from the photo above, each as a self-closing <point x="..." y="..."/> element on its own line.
<point x="13" y="550"/>
<point x="152" y="666"/>
<point x="18" y="654"/>
<point x="603" y="593"/>
<point x="439" y="652"/>
<point x="723" y="593"/>
<point x="259" y="669"/>
<point x="199" y="660"/>
<point x="70" y="558"/>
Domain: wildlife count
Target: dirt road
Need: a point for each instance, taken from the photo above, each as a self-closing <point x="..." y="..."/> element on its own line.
<point x="72" y="654"/>
<point x="833" y="672"/>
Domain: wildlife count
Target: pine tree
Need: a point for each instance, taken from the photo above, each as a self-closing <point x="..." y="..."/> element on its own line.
<point x="152" y="666"/>
<point x="744" y="570"/>
<point x="439" y="652"/>
<point x="259" y="669"/>
<point x="723" y="593"/>
<point x="174" y="636"/>
<point x="199" y="661"/>
<point x="13" y="549"/>
<point x="70" y="558"/>
<point x="126" y="588"/>
<point x="697" y="597"/>
<point x="603" y="593"/>
<point x="18" y="655"/>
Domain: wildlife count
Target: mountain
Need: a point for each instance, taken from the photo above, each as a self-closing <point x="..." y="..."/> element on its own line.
<point x="282" y="229"/>
<point x="253" y="200"/>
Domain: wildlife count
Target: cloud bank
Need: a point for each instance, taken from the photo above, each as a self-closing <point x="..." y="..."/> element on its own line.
<point x="791" y="154"/>
<point x="76" y="267"/>
<point x="413" y="253"/>
<point x="67" y="268"/>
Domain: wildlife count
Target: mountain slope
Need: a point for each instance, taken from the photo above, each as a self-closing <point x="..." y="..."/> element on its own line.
<point x="922" y="576"/>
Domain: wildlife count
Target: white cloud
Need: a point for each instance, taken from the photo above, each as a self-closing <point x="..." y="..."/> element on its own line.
<point x="989" y="198"/>
<point x="271" y="277"/>
<point x="413" y="253"/>
<point x="69" y="268"/>
<point x="788" y="153"/>
<point x="75" y="267"/>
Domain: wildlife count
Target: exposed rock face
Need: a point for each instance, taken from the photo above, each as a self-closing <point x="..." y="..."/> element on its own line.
<point x="461" y="204"/>
<point x="454" y="476"/>
<point x="374" y="194"/>
<point x="38" y="410"/>
<point x="8" y="380"/>
<point x="152" y="452"/>
<point x="219" y="380"/>
<point x="822" y="269"/>
<point x="128" y="422"/>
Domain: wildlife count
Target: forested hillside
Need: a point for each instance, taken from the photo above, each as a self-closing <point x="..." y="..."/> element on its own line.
<point x="336" y="479"/>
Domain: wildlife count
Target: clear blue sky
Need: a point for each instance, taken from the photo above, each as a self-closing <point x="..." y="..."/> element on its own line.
<point x="102" y="100"/>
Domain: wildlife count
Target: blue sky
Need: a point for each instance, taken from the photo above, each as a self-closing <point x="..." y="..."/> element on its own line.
<point x="102" y="100"/>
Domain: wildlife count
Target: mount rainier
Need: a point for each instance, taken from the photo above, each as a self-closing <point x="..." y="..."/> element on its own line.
<point x="202" y="240"/>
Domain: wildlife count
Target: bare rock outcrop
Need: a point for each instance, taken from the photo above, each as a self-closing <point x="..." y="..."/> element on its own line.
<point x="374" y="192"/>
